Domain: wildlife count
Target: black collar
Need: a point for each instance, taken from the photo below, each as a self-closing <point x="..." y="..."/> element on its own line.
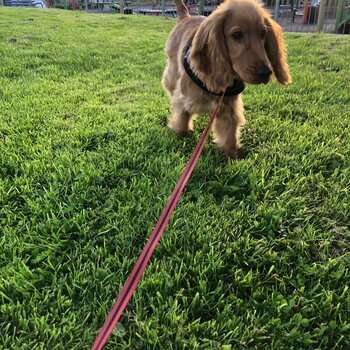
<point x="235" y="89"/>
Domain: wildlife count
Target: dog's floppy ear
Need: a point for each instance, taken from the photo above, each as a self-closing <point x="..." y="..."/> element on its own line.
<point x="209" y="57"/>
<point x="276" y="51"/>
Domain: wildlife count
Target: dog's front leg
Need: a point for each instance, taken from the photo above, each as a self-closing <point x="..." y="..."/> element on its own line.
<point x="180" y="120"/>
<point x="227" y="127"/>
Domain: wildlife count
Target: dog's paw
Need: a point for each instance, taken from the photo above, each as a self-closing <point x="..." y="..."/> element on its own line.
<point x="181" y="129"/>
<point x="232" y="153"/>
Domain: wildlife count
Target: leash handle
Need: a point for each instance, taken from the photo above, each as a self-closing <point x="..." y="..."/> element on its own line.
<point x="140" y="266"/>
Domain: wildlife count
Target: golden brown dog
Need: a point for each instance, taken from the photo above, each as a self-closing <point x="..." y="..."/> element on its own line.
<point x="238" y="42"/>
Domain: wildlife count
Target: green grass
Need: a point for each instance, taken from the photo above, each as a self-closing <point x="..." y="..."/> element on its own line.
<point x="256" y="255"/>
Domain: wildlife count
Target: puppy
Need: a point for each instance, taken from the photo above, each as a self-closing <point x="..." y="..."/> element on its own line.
<point x="208" y="56"/>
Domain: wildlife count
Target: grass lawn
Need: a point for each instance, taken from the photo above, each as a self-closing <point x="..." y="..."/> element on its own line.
<point x="257" y="253"/>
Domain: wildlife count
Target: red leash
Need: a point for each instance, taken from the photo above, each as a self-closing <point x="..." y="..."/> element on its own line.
<point x="131" y="283"/>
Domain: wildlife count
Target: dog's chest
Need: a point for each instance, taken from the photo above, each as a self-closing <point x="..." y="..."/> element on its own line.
<point x="198" y="103"/>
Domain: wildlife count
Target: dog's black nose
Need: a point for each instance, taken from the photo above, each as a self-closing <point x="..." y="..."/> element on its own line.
<point x="264" y="72"/>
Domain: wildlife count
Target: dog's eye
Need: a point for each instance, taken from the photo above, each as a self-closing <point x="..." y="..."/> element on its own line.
<point x="237" y="35"/>
<point x="263" y="34"/>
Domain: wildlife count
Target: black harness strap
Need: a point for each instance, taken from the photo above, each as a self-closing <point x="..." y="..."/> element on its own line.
<point x="233" y="90"/>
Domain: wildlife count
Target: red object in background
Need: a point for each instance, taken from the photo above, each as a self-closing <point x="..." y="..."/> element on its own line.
<point x="48" y="3"/>
<point x="73" y="5"/>
<point x="306" y="13"/>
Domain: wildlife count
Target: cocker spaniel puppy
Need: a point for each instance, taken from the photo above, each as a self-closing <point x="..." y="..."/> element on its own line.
<point x="207" y="56"/>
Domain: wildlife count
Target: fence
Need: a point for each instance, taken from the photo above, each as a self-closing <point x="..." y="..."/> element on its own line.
<point x="147" y="7"/>
<point x="330" y="16"/>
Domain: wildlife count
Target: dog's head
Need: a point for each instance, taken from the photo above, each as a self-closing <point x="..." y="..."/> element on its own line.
<point x="239" y="41"/>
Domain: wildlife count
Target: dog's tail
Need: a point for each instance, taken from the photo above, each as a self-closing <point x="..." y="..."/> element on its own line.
<point x="182" y="10"/>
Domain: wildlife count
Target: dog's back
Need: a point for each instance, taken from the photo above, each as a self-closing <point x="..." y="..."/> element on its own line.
<point x="183" y="33"/>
